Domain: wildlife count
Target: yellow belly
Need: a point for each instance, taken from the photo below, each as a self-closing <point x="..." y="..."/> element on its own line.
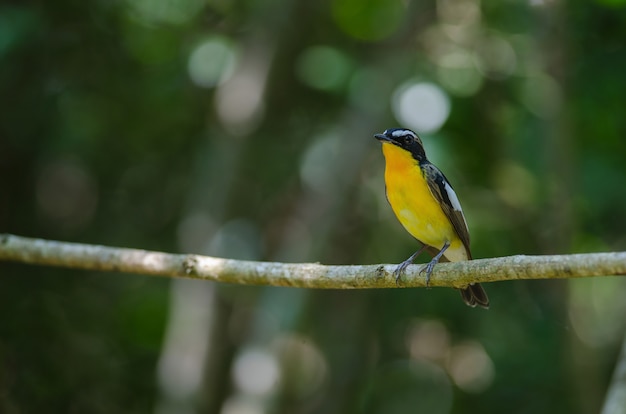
<point x="415" y="206"/>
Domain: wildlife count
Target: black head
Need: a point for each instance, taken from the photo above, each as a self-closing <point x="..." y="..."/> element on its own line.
<point x="405" y="139"/>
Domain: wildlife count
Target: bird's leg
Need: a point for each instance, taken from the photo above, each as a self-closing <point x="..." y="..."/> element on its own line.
<point x="431" y="265"/>
<point x="402" y="266"/>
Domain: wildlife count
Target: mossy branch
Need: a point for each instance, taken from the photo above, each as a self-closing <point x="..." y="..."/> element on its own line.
<point x="305" y="275"/>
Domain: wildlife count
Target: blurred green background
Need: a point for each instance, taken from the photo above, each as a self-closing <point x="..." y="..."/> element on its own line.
<point x="244" y="129"/>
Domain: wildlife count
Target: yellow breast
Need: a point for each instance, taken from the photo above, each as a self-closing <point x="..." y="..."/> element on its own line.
<point x="415" y="206"/>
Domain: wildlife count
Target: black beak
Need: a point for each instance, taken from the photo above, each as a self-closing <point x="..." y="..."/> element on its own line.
<point x="383" y="137"/>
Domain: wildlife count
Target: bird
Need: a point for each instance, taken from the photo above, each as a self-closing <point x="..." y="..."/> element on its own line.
<point x="424" y="202"/>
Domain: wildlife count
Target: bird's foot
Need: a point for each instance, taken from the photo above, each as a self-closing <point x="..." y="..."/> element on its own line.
<point x="430" y="266"/>
<point x="401" y="269"/>
<point x="402" y="266"/>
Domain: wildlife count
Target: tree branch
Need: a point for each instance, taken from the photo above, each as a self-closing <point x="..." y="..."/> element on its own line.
<point x="306" y="275"/>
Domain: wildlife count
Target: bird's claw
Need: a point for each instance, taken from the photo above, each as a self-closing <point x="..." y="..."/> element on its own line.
<point x="429" y="270"/>
<point x="400" y="270"/>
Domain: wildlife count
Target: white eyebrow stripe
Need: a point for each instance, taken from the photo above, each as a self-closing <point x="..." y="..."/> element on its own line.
<point x="402" y="132"/>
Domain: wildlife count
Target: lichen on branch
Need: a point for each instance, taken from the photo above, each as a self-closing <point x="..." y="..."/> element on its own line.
<point x="306" y="275"/>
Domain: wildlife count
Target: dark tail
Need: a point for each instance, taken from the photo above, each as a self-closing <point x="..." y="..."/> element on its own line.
<point x="474" y="294"/>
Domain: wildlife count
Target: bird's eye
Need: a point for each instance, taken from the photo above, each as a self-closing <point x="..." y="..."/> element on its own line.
<point x="408" y="139"/>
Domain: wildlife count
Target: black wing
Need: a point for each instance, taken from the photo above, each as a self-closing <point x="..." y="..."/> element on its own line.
<point x="442" y="191"/>
<point x="440" y="187"/>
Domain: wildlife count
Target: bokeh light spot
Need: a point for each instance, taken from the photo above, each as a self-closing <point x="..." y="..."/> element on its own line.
<point x="256" y="372"/>
<point x="457" y="73"/>
<point x="428" y="339"/>
<point x="470" y="367"/>
<point x="240" y="404"/>
<point x="304" y="367"/>
<point x="458" y="12"/>
<point x="596" y="310"/>
<point x="211" y="62"/>
<point x="424" y="107"/>
<point x="236" y="239"/>
<point x="542" y="96"/>
<point x="368" y="20"/>
<point x="239" y="101"/>
<point x="314" y="169"/>
<point x="187" y="338"/>
<point x="495" y="57"/>
<point x="515" y="185"/>
<point x="323" y="67"/>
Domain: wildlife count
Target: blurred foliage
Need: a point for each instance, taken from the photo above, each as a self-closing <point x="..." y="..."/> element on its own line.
<point x="244" y="129"/>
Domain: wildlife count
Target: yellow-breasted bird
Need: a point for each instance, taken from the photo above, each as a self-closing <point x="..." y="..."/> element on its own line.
<point x="425" y="203"/>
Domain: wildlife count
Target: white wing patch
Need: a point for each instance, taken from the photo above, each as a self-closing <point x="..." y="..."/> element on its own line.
<point x="452" y="196"/>
<point x="455" y="201"/>
<point x="402" y="132"/>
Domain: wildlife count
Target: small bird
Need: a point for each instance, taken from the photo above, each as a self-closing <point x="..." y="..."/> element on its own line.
<point x="426" y="205"/>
